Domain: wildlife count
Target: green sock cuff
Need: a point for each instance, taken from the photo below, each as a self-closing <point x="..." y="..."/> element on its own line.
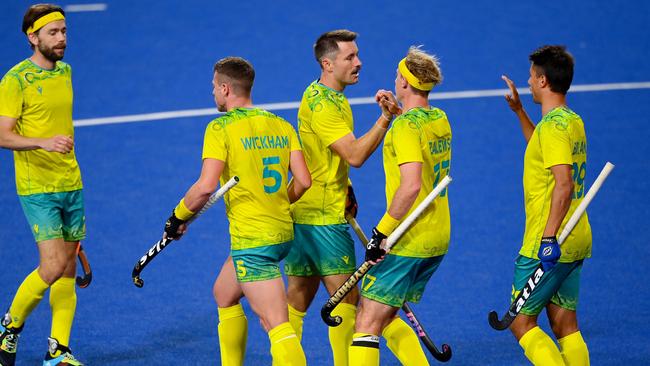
<point x="230" y="312"/>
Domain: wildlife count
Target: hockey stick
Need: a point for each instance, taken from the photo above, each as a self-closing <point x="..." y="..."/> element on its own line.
<point x="83" y="281"/>
<point x="162" y="243"/>
<point x="443" y="356"/>
<point x="533" y="281"/>
<point x="347" y="286"/>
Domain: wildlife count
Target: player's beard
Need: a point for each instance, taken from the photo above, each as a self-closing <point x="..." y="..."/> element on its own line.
<point x="50" y="52"/>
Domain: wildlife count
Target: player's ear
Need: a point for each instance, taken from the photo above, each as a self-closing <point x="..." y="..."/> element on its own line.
<point x="33" y="39"/>
<point x="543" y="81"/>
<point x="402" y="81"/>
<point x="326" y="64"/>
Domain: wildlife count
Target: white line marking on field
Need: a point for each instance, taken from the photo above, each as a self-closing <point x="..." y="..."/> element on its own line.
<point x="79" y="8"/>
<point x="353" y="101"/>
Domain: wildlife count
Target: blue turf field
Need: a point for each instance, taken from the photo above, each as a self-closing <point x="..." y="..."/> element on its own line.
<point x="152" y="56"/>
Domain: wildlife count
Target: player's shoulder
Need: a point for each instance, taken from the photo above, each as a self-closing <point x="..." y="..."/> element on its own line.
<point x="64" y="67"/>
<point x="420" y="116"/>
<point x="559" y="118"/>
<point x="318" y="96"/>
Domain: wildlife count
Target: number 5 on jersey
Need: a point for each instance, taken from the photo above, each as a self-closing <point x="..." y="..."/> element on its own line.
<point x="271" y="172"/>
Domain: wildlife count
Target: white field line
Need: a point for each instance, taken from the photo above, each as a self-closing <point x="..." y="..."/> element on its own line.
<point x="353" y="101"/>
<point x="79" y="8"/>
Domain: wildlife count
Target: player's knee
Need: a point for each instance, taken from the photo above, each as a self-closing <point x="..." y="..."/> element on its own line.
<point x="564" y="327"/>
<point x="51" y="271"/>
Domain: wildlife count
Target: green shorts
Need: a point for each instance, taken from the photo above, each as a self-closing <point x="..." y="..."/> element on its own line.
<point x="559" y="285"/>
<point x="397" y="279"/>
<point x="261" y="263"/>
<point x="55" y="215"/>
<point x="321" y="250"/>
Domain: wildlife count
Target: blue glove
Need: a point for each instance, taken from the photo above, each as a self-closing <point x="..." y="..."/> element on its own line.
<point x="374" y="253"/>
<point x="549" y="252"/>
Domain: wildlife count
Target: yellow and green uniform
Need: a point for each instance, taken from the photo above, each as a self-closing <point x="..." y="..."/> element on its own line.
<point x="41" y="101"/>
<point x="324" y="117"/>
<point x="48" y="183"/>
<point x="255" y="146"/>
<point x="421" y="135"/>
<point x="559" y="138"/>
<point x="323" y="245"/>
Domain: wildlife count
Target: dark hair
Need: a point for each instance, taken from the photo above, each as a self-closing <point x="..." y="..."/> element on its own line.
<point x="326" y="44"/>
<point x="239" y="71"/>
<point x="37" y="11"/>
<point x="556" y="63"/>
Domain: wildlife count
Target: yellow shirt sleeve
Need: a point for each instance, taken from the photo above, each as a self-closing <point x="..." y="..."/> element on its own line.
<point x="296" y="144"/>
<point x="406" y="137"/>
<point x="11" y="97"/>
<point x="555" y="143"/>
<point x="328" y="122"/>
<point x="215" y="145"/>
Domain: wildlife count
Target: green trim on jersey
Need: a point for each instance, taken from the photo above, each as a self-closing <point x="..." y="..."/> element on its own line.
<point x="41" y="102"/>
<point x="558" y="139"/>
<point x="256" y="146"/>
<point x="421" y="135"/>
<point x="324" y="117"/>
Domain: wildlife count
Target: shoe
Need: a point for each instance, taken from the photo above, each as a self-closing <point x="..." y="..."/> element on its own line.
<point x="65" y="358"/>
<point x="8" y="341"/>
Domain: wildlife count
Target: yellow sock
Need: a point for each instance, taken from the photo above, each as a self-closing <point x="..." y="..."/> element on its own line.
<point x="296" y="318"/>
<point x="285" y="346"/>
<point x="574" y="350"/>
<point x="63" y="302"/>
<point x="540" y="348"/>
<point x="341" y="336"/>
<point x="29" y="294"/>
<point x="364" y="350"/>
<point x="233" y="331"/>
<point x="401" y="339"/>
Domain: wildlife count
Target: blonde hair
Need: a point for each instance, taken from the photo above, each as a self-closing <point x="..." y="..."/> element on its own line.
<point x="423" y="66"/>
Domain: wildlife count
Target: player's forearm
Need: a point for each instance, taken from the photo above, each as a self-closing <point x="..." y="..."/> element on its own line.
<point x="13" y="141"/>
<point x="403" y="199"/>
<point x="364" y="146"/>
<point x="560" y="203"/>
<point x="527" y="126"/>
<point x="197" y="196"/>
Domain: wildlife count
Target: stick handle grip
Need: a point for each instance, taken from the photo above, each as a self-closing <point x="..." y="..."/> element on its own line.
<point x="582" y="207"/>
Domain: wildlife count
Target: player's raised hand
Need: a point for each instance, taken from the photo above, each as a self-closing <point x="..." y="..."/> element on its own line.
<point x="59" y="143"/>
<point x="388" y="103"/>
<point x="513" y="98"/>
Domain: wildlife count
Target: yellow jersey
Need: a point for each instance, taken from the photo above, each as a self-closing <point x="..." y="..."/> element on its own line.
<point x="41" y="102"/>
<point x="558" y="139"/>
<point x="255" y="146"/>
<point x="324" y="117"/>
<point x="421" y="135"/>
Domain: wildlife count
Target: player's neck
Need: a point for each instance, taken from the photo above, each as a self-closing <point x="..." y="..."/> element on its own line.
<point x="552" y="101"/>
<point x="239" y="102"/>
<point x="331" y="82"/>
<point x="414" y="101"/>
<point x="41" y="61"/>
